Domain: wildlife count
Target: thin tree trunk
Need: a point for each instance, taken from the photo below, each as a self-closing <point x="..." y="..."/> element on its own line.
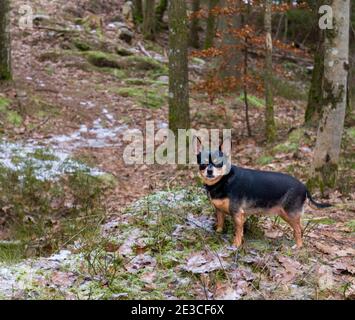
<point x="285" y="28"/>
<point x="194" y="37"/>
<point x="149" y="20"/>
<point x="245" y="89"/>
<point x="160" y="11"/>
<point x="179" y="111"/>
<point x="211" y="24"/>
<point x="5" y="43"/>
<point x="336" y="68"/>
<point x="315" y="104"/>
<point x="138" y="11"/>
<point x="282" y="16"/>
<point x="270" y="128"/>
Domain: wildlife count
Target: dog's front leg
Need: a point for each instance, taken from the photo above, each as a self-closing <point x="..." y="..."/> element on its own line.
<point x="239" y="219"/>
<point x="220" y="221"/>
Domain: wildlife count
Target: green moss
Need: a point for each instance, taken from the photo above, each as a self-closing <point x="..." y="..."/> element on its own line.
<point x="323" y="220"/>
<point x="11" y="252"/>
<point x="4" y="104"/>
<point x="136" y="82"/>
<point x="288" y="90"/>
<point x="81" y="44"/>
<point x="264" y="160"/>
<point x="351" y="133"/>
<point x="43" y="154"/>
<point x="146" y="97"/>
<point x="351" y="225"/>
<point x="253" y="100"/>
<point x="103" y="60"/>
<point x="144" y="63"/>
<point x="286" y="147"/>
<point x="296" y="136"/>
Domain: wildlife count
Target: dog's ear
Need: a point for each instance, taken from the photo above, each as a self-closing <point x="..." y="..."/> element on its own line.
<point x="226" y="147"/>
<point x="197" y="144"/>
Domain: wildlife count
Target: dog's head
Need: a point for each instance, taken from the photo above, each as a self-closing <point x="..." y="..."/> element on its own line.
<point x="213" y="164"/>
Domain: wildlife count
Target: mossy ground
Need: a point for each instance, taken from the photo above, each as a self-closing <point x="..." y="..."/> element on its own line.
<point x="147" y="255"/>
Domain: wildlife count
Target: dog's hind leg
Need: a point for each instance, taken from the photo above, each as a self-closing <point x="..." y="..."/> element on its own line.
<point x="220" y="221"/>
<point x="295" y="222"/>
<point x="239" y="219"/>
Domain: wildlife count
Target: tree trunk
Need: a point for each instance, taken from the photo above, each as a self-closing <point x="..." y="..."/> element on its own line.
<point x="179" y="111"/>
<point x="5" y="43"/>
<point x="270" y="127"/>
<point x="160" y="11"/>
<point x="336" y="68"/>
<point x="194" y="28"/>
<point x="351" y="84"/>
<point x="314" y="105"/>
<point x="138" y="11"/>
<point x="149" y="20"/>
<point x="231" y="57"/>
<point x="211" y="24"/>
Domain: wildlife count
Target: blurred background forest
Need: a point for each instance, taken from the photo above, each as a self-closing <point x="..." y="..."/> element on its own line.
<point x="76" y="222"/>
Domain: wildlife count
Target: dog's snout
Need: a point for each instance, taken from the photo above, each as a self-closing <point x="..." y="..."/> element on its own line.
<point x="210" y="170"/>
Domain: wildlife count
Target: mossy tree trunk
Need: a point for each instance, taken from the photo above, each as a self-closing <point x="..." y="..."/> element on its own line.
<point x="149" y="20"/>
<point x="211" y="24"/>
<point x="5" y="42"/>
<point x="314" y="105"/>
<point x="336" y="68"/>
<point x="160" y="11"/>
<point x="270" y="127"/>
<point x="351" y="84"/>
<point x="138" y="11"/>
<point x="194" y="28"/>
<point x="179" y="111"/>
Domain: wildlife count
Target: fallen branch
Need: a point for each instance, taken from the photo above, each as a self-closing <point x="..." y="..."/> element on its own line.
<point x="58" y="30"/>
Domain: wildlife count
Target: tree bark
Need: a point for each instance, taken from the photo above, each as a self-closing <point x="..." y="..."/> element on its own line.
<point x="211" y="24"/>
<point x="138" y="11"/>
<point x="179" y="111"/>
<point x="270" y="127"/>
<point x="194" y="28"/>
<point x="160" y="11"/>
<point x="314" y="105"/>
<point x="149" y="20"/>
<point x="336" y="69"/>
<point x="231" y="57"/>
<point x="5" y="42"/>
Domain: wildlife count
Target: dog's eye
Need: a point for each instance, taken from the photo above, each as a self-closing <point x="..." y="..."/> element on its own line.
<point x="218" y="164"/>
<point x="203" y="166"/>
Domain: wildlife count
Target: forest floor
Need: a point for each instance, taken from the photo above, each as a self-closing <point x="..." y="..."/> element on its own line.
<point x="74" y="95"/>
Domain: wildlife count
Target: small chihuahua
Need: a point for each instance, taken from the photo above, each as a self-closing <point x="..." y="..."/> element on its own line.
<point x="238" y="192"/>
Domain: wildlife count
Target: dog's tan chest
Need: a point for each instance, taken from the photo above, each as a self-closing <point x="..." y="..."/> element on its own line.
<point x="221" y="204"/>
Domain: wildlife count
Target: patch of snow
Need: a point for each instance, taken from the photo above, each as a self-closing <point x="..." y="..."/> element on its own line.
<point x="17" y="156"/>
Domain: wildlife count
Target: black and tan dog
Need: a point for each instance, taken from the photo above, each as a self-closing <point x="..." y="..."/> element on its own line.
<point x="238" y="192"/>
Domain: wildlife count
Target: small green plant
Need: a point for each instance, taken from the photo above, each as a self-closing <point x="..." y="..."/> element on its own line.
<point x="42" y="215"/>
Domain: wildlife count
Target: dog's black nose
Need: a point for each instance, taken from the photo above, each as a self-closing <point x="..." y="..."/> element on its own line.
<point x="209" y="172"/>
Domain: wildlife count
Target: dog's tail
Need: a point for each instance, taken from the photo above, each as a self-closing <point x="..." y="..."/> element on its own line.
<point x="317" y="205"/>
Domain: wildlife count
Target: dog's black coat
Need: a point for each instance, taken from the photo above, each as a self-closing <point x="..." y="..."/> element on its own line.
<point x="261" y="190"/>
